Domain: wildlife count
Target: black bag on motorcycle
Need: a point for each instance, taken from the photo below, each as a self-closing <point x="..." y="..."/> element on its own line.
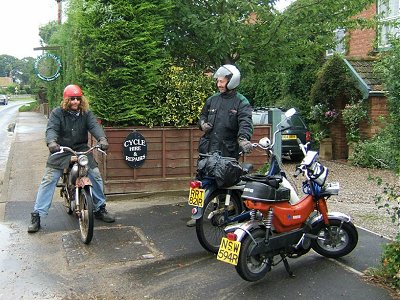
<point x="226" y="172"/>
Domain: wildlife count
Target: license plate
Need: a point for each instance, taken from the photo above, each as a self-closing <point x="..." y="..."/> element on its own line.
<point x="229" y="251"/>
<point x="196" y="197"/>
<point x="289" y="136"/>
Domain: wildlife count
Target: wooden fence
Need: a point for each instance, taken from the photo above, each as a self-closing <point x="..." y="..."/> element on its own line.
<point x="170" y="162"/>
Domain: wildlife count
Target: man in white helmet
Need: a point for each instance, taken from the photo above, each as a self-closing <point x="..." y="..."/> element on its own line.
<point x="226" y="117"/>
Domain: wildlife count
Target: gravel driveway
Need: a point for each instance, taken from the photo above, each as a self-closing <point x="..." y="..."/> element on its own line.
<point x="357" y="195"/>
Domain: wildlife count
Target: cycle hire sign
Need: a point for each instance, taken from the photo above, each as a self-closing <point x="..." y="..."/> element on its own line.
<point x="135" y="149"/>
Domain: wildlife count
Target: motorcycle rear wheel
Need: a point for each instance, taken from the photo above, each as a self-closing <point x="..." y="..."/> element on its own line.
<point x="210" y="231"/>
<point x="252" y="268"/>
<point x="340" y="242"/>
<point x="86" y="219"/>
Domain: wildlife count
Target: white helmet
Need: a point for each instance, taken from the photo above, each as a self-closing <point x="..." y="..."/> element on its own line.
<point x="232" y="73"/>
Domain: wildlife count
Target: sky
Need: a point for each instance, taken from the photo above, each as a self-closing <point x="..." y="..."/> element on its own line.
<point x="21" y="20"/>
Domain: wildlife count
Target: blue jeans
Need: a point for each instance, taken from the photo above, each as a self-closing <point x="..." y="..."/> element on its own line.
<point x="48" y="185"/>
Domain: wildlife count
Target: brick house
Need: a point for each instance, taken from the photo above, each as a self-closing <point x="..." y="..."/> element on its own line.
<point x="360" y="57"/>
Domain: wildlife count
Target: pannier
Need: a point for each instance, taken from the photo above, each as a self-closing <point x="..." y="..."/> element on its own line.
<point x="225" y="171"/>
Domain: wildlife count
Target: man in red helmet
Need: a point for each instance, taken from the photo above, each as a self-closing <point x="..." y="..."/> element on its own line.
<point x="69" y="126"/>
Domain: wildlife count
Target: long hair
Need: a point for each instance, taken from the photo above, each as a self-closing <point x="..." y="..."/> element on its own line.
<point x="83" y="106"/>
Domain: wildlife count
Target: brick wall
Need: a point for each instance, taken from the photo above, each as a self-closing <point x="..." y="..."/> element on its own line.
<point x="361" y="41"/>
<point x="377" y="107"/>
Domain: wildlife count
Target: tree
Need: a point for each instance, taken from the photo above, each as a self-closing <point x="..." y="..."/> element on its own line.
<point x="118" y="45"/>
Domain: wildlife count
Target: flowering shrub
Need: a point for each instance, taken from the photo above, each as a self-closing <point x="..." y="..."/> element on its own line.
<point x="323" y="116"/>
<point x="352" y="115"/>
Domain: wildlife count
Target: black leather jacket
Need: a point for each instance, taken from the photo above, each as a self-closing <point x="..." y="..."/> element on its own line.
<point x="230" y="114"/>
<point x="72" y="131"/>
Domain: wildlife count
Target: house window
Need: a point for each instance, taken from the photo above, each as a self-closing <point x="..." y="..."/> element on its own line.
<point x="339" y="39"/>
<point x="389" y="13"/>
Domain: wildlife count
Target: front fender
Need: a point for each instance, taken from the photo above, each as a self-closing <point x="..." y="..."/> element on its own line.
<point x="243" y="229"/>
<point x="331" y="216"/>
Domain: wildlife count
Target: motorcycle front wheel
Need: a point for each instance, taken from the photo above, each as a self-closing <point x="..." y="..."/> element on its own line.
<point x="337" y="240"/>
<point x="210" y="226"/>
<point x="85" y="215"/>
<point x="252" y="268"/>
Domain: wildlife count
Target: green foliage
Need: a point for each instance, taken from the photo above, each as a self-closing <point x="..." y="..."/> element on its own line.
<point x="389" y="200"/>
<point x="32" y="106"/>
<point x="389" y="66"/>
<point x="181" y="95"/>
<point x="122" y="57"/>
<point x="353" y="115"/>
<point x="375" y="153"/>
<point x="333" y="83"/>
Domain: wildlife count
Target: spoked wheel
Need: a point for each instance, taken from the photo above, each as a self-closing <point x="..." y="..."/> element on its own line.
<point x="252" y="268"/>
<point x="85" y="215"/>
<point x="337" y="240"/>
<point x="210" y="226"/>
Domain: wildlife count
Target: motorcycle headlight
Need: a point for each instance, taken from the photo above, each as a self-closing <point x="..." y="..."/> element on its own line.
<point x="83" y="160"/>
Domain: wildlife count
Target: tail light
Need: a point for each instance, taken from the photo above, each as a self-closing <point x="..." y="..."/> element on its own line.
<point x="231" y="236"/>
<point x="195" y="184"/>
<point x="308" y="136"/>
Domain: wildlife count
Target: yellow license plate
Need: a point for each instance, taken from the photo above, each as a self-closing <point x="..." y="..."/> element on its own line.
<point x="229" y="251"/>
<point x="196" y="197"/>
<point x="289" y="136"/>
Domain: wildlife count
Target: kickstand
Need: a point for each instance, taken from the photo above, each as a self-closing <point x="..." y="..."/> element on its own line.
<point x="287" y="267"/>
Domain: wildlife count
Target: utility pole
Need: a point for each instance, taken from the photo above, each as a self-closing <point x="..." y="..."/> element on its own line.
<point x="59" y="11"/>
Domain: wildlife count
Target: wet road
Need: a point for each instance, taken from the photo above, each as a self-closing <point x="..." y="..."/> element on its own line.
<point x="148" y="253"/>
<point x="8" y="114"/>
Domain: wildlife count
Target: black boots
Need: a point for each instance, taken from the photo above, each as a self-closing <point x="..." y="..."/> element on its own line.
<point x="35" y="223"/>
<point x="104" y="215"/>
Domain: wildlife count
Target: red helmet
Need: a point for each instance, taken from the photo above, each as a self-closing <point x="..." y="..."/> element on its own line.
<point x="72" y="90"/>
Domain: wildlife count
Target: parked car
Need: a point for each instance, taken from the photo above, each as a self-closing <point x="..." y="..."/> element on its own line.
<point x="4" y="99"/>
<point x="290" y="147"/>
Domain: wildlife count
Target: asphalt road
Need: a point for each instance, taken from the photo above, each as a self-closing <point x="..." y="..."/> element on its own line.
<point x="148" y="253"/>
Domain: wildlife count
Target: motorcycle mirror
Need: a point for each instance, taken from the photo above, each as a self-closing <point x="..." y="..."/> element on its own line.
<point x="290" y="112"/>
<point x="265" y="142"/>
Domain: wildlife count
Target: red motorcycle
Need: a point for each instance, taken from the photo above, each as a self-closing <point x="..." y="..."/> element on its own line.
<point x="281" y="227"/>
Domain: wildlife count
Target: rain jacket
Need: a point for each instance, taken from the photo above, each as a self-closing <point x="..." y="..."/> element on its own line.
<point x="231" y="117"/>
<point x="70" y="130"/>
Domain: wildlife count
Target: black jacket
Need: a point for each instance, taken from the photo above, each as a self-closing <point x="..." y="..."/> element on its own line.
<point x="72" y="131"/>
<point x="231" y="117"/>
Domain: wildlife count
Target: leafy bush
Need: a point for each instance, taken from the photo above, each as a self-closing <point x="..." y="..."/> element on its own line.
<point x="352" y="115"/>
<point x="333" y="82"/>
<point x="376" y="152"/>
<point x="180" y="97"/>
<point x="389" y="200"/>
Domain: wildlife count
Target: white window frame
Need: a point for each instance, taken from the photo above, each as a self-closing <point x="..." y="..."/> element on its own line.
<point x="340" y="47"/>
<point x="388" y="11"/>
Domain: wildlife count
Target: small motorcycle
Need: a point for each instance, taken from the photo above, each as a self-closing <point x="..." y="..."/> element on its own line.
<point x="285" y="228"/>
<point x="76" y="190"/>
<point x="216" y="207"/>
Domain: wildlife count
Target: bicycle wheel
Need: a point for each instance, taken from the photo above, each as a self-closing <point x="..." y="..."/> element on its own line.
<point x="85" y="215"/>
<point x="210" y="226"/>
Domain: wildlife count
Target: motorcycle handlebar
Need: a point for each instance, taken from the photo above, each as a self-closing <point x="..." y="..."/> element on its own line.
<point x="68" y="149"/>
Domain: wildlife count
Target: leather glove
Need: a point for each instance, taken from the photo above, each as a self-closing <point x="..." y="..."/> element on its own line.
<point x="246" y="145"/>
<point x="206" y="127"/>
<point x="103" y="143"/>
<point x="53" y="147"/>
